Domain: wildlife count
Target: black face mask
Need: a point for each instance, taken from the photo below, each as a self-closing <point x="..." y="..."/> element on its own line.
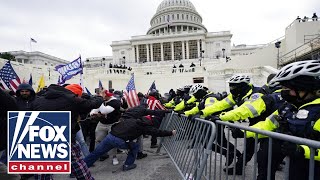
<point x="295" y="100"/>
<point x="239" y="90"/>
<point x="200" y="94"/>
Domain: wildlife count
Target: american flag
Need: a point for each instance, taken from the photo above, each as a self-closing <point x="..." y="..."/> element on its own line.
<point x="9" y="78"/>
<point x="154" y="104"/>
<point x="131" y="94"/>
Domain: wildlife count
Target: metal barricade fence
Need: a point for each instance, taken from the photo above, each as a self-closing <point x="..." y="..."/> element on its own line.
<point x="190" y="148"/>
<point x="215" y="169"/>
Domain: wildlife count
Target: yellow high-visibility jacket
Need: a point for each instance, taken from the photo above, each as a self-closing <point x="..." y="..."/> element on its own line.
<point x="225" y="103"/>
<point x="271" y="124"/>
<point x="208" y="101"/>
<point x="181" y="105"/>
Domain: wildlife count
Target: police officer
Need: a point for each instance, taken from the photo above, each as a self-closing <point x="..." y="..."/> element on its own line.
<point x="299" y="116"/>
<point x="240" y="91"/>
<point x="204" y="97"/>
<point x="257" y="108"/>
<point x="188" y="101"/>
<point x="176" y="100"/>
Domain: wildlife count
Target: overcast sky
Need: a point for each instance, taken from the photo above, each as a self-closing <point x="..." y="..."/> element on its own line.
<point x="67" y="28"/>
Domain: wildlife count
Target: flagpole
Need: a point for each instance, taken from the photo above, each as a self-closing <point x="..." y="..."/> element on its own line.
<point x="30" y="45"/>
<point x="81" y="77"/>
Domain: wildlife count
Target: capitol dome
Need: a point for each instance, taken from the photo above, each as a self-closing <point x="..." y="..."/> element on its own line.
<point x="175" y="3"/>
<point x="176" y="16"/>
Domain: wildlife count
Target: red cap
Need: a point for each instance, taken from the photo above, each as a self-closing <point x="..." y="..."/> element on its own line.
<point x="107" y="93"/>
<point x="75" y="88"/>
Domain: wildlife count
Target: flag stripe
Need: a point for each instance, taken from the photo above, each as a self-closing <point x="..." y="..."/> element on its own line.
<point x="9" y="77"/>
<point x="131" y="94"/>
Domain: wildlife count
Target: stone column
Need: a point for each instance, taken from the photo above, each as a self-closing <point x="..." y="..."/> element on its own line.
<point x="198" y="46"/>
<point x="148" y="55"/>
<point x="172" y="51"/>
<point x="151" y="50"/>
<point x="183" y="50"/>
<point x="162" y="58"/>
<point x="187" y="44"/>
<point x="187" y="28"/>
<point x="176" y="29"/>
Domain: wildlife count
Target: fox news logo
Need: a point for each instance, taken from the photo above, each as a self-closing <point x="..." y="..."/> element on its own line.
<point x="39" y="142"/>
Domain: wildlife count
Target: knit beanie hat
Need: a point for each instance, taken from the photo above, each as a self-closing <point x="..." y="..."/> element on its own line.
<point x="75" y="88"/>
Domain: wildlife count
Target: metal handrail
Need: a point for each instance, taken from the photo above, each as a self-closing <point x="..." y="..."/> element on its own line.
<point x="295" y="52"/>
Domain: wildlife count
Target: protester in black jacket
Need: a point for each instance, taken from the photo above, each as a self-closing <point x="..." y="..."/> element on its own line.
<point x="132" y="124"/>
<point x="58" y="98"/>
<point x="7" y="103"/>
<point x="25" y="96"/>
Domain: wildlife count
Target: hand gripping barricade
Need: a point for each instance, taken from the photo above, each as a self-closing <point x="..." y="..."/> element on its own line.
<point x="190" y="148"/>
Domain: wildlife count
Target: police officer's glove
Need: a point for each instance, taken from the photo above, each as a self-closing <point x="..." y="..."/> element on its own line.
<point x="291" y="149"/>
<point x="179" y="113"/>
<point x="237" y="133"/>
<point x="168" y="111"/>
<point x="214" y="118"/>
<point x="193" y="118"/>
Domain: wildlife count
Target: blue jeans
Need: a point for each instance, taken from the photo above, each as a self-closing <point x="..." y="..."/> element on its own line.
<point x="108" y="143"/>
<point x="82" y="143"/>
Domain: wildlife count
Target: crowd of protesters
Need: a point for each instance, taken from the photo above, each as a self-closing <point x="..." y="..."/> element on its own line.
<point x="288" y="103"/>
<point x="104" y="119"/>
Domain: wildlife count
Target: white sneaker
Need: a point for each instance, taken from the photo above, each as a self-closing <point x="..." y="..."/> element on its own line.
<point x="115" y="161"/>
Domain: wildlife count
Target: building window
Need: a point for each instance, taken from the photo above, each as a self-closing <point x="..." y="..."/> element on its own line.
<point x="172" y="16"/>
<point x="198" y="80"/>
<point x="142" y="53"/>
<point x="135" y="53"/>
<point x="177" y="46"/>
<point x="193" y="49"/>
<point x="160" y="19"/>
<point x="177" y="16"/>
<point x="156" y="52"/>
<point x="187" y="16"/>
<point x="167" y="51"/>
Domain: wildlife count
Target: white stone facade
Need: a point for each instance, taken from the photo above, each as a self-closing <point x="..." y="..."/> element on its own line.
<point x="36" y="57"/>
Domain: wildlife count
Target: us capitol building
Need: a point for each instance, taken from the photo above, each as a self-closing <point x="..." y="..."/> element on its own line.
<point x="175" y="40"/>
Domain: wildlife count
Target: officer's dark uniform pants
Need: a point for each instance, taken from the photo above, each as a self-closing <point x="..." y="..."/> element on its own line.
<point x="299" y="166"/>
<point x="249" y="153"/>
<point x="224" y="143"/>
